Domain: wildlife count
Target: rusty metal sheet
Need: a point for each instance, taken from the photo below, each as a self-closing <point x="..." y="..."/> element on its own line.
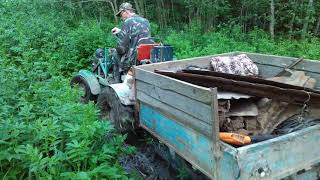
<point x="231" y="95"/>
<point x="270" y="89"/>
<point x="251" y="79"/>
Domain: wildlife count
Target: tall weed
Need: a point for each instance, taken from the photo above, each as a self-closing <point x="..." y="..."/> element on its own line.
<point x="44" y="132"/>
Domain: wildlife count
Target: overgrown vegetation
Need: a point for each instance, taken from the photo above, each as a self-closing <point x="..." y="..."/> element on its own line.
<point x="44" y="131"/>
<point x="194" y="42"/>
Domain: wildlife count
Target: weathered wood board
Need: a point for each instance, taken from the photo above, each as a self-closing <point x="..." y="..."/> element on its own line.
<point x="181" y="64"/>
<point x="187" y="105"/>
<point x="176" y="114"/>
<point x="189" y="144"/>
<point x="193" y="91"/>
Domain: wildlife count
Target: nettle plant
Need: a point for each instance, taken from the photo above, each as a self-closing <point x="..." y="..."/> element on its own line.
<point x="46" y="133"/>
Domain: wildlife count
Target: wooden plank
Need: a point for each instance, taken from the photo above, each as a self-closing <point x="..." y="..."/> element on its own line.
<point x="189" y="106"/>
<point x="282" y="156"/>
<point x="173" y="113"/>
<point x="283" y="61"/>
<point x="202" y="61"/>
<point x="190" y="90"/>
<point x="190" y="144"/>
<point x="263" y="59"/>
<point x="216" y="152"/>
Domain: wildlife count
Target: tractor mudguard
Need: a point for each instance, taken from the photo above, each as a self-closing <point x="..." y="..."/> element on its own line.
<point x="125" y="91"/>
<point x="92" y="81"/>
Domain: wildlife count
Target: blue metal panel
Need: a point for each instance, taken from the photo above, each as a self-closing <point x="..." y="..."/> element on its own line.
<point x="229" y="168"/>
<point x="308" y="175"/>
<point x="193" y="146"/>
<point x="282" y="156"/>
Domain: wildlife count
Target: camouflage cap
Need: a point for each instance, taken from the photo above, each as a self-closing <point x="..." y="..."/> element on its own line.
<point x="124" y="6"/>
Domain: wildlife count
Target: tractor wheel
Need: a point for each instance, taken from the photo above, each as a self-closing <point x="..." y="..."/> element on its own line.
<point x="84" y="87"/>
<point x="121" y="116"/>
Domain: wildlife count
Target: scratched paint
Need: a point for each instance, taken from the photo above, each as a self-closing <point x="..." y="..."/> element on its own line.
<point x="195" y="146"/>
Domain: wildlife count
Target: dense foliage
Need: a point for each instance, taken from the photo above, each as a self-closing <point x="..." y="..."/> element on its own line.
<point x="194" y="42"/>
<point x="44" y="131"/>
<point x="293" y="19"/>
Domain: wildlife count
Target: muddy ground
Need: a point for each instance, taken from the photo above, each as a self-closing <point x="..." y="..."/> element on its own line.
<point x="148" y="162"/>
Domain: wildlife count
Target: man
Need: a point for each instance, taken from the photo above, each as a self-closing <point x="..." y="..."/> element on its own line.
<point x="133" y="29"/>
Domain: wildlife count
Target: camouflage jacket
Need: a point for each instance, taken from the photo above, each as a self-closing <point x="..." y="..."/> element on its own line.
<point x="133" y="29"/>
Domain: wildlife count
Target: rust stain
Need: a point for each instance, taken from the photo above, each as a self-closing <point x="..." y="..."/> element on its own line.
<point x="153" y="123"/>
<point x="187" y="145"/>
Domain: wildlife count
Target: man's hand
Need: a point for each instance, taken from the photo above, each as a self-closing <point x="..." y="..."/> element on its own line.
<point x="111" y="50"/>
<point x="115" y="30"/>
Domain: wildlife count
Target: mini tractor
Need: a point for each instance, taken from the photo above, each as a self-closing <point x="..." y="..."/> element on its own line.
<point x="112" y="89"/>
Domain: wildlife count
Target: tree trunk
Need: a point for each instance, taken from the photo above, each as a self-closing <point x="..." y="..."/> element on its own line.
<point x="241" y="17"/>
<point x="291" y="26"/>
<point x="142" y="8"/>
<point x="114" y="8"/>
<point x="138" y="7"/>
<point x="306" y="20"/>
<point x="316" y="29"/>
<point x="173" y="14"/>
<point x="164" y="14"/>
<point x="272" y="19"/>
<point x="189" y="16"/>
<point x="159" y="14"/>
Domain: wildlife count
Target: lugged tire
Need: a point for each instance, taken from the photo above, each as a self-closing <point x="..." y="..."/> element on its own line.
<point x="83" y="84"/>
<point x="121" y="116"/>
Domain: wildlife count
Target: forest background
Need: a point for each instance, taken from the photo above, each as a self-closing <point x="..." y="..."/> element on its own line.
<point x="46" y="133"/>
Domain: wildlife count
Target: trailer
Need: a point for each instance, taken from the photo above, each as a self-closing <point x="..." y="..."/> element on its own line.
<point x="184" y="117"/>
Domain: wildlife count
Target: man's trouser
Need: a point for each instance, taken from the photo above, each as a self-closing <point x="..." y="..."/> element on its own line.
<point x="121" y="65"/>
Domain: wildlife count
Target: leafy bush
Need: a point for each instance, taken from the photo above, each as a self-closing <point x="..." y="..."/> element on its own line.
<point x="44" y="131"/>
<point x="192" y="43"/>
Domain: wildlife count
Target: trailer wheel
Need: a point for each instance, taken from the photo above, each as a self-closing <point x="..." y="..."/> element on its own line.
<point x="121" y="116"/>
<point x="84" y="87"/>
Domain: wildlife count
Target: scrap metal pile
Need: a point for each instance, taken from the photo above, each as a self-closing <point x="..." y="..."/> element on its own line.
<point x="250" y="105"/>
